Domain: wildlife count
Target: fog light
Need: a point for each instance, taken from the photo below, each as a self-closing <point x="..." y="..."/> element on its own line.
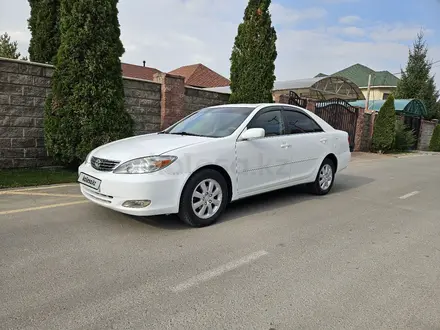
<point x="136" y="204"/>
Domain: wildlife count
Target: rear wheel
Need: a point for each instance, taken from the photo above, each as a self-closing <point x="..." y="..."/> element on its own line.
<point x="204" y="198"/>
<point x="324" y="179"/>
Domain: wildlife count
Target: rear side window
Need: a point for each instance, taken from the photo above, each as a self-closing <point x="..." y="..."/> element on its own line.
<point x="270" y="121"/>
<point x="298" y="123"/>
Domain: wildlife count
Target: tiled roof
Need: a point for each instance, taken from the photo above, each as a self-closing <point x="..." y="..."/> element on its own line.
<point x="138" y="71"/>
<point x="358" y="74"/>
<point x="198" y="75"/>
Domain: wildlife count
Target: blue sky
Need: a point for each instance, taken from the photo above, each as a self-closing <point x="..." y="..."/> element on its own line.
<point x="313" y="36"/>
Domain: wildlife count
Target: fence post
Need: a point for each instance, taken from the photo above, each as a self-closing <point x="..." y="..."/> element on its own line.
<point x="311" y="105"/>
<point x="283" y="98"/>
<point x="359" y="128"/>
<point x="172" y="98"/>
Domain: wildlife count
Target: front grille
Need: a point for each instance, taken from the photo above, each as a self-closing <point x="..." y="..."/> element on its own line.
<point x="104" y="165"/>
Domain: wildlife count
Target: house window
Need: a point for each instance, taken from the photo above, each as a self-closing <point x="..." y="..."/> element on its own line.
<point x="385" y="96"/>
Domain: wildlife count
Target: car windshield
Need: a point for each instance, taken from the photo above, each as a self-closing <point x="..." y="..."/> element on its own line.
<point x="212" y="122"/>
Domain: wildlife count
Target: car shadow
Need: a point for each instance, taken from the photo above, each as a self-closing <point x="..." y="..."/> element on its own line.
<point x="262" y="203"/>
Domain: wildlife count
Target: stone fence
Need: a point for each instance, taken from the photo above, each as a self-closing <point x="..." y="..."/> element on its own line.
<point x="24" y="86"/>
<point x="154" y="105"/>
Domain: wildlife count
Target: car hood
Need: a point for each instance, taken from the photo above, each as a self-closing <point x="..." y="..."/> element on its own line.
<point x="145" y="145"/>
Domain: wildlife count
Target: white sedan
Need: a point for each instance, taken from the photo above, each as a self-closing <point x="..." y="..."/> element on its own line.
<point x="212" y="157"/>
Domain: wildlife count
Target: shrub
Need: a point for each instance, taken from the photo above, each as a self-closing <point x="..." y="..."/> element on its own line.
<point x="86" y="108"/>
<point x="404" y="138"/>
<point x="384" y="127"/>
<point x="434" y="145"/>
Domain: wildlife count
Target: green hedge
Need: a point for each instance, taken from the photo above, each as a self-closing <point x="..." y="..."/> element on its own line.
<point x="385" y="127"/>
<point x="434" y="145"/>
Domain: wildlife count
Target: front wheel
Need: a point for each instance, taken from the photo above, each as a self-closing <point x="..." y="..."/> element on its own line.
<point x="325" y="178"/>
<point x="204" y="198"/>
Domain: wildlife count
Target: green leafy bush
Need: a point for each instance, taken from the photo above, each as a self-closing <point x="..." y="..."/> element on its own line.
<point x="385" y="127"/>
<point x="404" y="138"/>
<point x="86" y="108"/>
<point x="434" y="145"/>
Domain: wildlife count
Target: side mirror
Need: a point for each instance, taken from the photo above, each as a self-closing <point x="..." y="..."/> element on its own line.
<point x="253" y="133"/>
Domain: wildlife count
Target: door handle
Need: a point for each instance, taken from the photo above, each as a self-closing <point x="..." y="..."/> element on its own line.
<point x="285" y="146"/>
<point x="323" y="140"/>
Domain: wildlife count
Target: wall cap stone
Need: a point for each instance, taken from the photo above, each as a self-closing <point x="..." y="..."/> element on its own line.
<point x="205" y="90"/>
<point x="26" y="62"/>
<point x="141" y="80"/>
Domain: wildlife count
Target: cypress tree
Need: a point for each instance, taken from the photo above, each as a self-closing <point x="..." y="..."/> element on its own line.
<point x="86" y="108"/>
<point x="416" y="81"/>
<point x="434" y="144"/>
<point x="253" y="56"/>
<point x="44" y="25"/>
<point x="385" y="127"/>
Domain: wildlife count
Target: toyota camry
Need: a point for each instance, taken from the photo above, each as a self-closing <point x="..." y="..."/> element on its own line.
<point x="212" y="157"/>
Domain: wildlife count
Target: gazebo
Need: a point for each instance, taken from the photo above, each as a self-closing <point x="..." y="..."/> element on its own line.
<point x="319" y="88"/>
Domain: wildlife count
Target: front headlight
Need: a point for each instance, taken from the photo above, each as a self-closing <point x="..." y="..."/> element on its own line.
<point x="145" y="165"/>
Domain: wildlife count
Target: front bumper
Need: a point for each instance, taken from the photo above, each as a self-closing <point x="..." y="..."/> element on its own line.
<point x="162" y="190"/>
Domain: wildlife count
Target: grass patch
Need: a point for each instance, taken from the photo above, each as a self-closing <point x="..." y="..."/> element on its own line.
<point x="35" y="177"/>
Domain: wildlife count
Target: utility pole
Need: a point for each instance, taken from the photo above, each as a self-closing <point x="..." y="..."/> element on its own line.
<point x="368" y="93"/>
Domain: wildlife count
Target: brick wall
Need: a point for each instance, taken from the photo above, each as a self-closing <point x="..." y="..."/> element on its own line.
<point x="25" y="85"/>
<point x="23" y="89"/>
<point x="143" y="103"/>
<point x="197" y="98"/>
<point x="426" y="130"/>
<point x="366" y="133"/>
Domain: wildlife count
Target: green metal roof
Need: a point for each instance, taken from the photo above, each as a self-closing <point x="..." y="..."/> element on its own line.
<point x="408" y="107"/>
<point x="359" y="73"/>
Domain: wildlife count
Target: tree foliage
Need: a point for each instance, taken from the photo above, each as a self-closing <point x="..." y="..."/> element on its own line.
<point x="404" y="138"/>
<point x="44" y="25"/>
<point x="385" y="127"/>
<point x="86" y="108"/>
<point x="253" y="56"/>
<point x="434" y="144"/>
<point x="8" y="48"/>
<point x="416" y="81"/>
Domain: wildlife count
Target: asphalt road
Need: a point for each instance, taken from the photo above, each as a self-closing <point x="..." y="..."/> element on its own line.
<point x="366" y="256"/>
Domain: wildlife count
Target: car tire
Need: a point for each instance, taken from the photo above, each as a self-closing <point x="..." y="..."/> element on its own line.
<point x="324" y="179"/>
<point x="199" y="208"/>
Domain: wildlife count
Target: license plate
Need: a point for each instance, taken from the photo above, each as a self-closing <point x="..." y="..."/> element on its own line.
<point x="89" y="181"/>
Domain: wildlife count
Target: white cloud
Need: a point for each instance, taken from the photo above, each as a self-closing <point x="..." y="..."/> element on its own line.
<point x="351" y="31"/>
<point x="283" y="15"/>
<point x="170" y="33"/>
<point x="349" y="19"/>
<point x="397" y="32"/>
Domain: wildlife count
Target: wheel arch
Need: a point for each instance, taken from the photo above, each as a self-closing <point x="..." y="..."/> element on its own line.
<point x="334" y="159"/>
<point x="217" y="168"/>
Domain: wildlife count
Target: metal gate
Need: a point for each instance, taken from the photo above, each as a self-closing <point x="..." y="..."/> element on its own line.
<point x="294" y="99"/>
<point x="340" y="115"/>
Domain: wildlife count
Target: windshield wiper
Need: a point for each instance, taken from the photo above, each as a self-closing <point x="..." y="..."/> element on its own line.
<point x="186" y="133"/>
